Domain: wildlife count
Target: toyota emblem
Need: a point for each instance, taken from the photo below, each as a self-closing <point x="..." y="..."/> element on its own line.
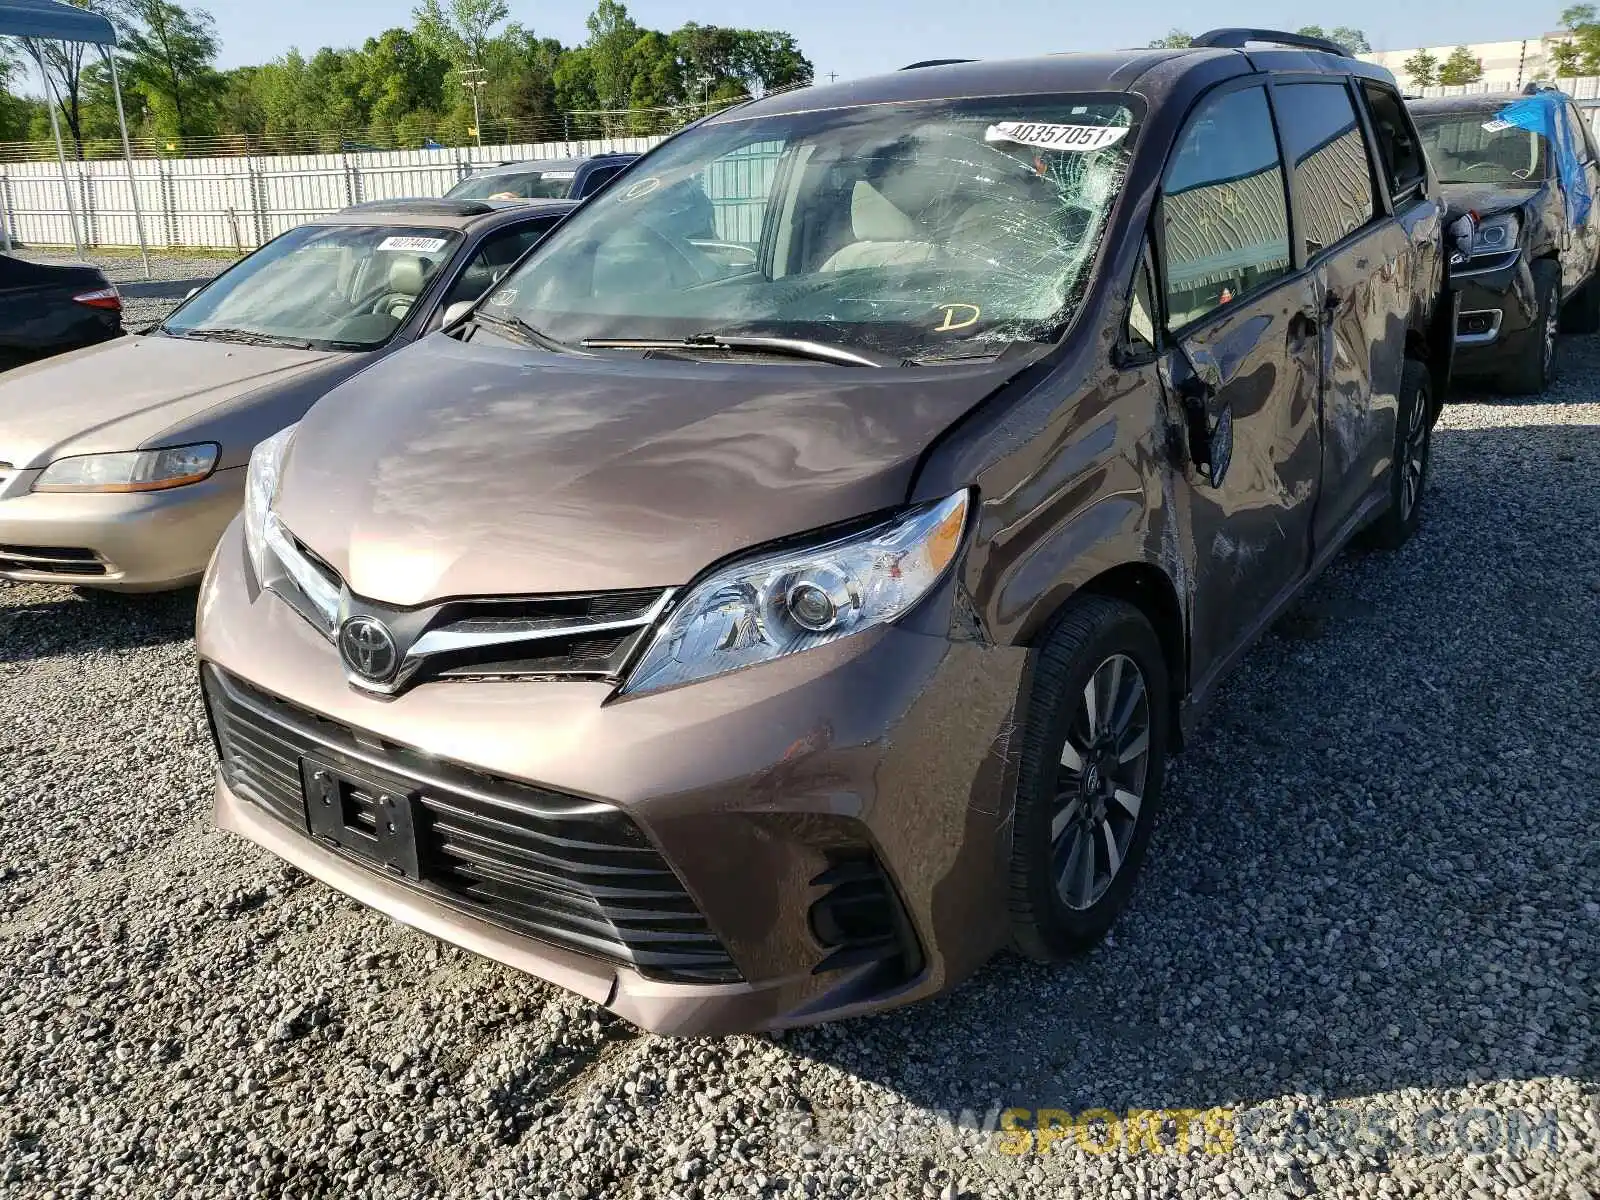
<point x="368" y="649"/>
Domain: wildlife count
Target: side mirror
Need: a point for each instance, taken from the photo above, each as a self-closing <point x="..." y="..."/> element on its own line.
<point x="456" y="311"/>
<point x="1195" y="377"/>
<point x="1459" y="235"/>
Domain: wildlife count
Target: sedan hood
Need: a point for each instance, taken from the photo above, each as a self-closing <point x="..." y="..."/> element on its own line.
<point x="485" y="469"/>
<point x="124" y="393"/>
<point x="1485" y="199"/>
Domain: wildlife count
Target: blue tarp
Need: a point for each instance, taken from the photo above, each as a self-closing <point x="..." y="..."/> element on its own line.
<point x="55" y="22"/>
<point x="1545" y="114"/>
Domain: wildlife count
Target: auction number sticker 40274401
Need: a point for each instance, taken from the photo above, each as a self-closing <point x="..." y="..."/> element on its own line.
<point x="421" y="245"/>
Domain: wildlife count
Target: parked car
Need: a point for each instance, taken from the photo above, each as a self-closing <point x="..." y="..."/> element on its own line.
<point x="744" y="643"/>
<point x="120" y="465"/>
<point x="541" y="178"/>
<point x="1525" y="168"/>
<point x="47" y="309"/>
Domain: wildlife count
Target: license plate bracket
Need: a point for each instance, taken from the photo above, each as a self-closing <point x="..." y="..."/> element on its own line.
<point x="368" y="818"/>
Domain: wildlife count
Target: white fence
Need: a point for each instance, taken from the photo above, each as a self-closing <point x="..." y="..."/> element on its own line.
<point x="1586" y="87"/>
<point x="239" y="203"/>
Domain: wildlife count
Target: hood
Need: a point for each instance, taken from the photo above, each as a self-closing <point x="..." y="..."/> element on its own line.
<point x="123" y="393"/>
<point x="491" y="469"/>
<point x="1486" y="199"/>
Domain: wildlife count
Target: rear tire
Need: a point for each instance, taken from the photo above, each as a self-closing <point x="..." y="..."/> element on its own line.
<point x="1533" y="368"/>
<point x="1410" y="456"/>
<point x="1090" y="779"/>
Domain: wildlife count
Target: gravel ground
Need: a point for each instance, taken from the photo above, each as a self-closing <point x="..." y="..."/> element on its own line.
<point x="1367" y="943"/>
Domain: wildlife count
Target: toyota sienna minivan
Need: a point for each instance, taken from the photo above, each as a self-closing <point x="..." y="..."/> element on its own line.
<point x="785" y="587"/>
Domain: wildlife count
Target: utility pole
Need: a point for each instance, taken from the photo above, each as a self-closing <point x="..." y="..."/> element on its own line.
<point x="474" y="80"/>
<point x="832" y="75"/>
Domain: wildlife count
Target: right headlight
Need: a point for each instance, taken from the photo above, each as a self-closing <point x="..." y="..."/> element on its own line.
<point x="273" y="553"/>
<point x="766" y="607"/>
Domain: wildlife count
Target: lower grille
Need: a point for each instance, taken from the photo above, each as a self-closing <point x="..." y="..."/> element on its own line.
<point x="860" y="921"/>
<point x="53" y="560"/>
<point x="574" y="873"/>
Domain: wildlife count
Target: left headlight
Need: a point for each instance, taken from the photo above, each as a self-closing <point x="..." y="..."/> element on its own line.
<point x="132" y="471"/>
<point x="279" y="565"/>
<point x="1496" y="235"/>
<point x="765" y="607"/>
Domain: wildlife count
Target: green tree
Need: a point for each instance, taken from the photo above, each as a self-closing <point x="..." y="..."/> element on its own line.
<point x="574" y="81"/>
<point x="1422" y="69"/>
<point x="770" y="59"/>
<point x="1175" y="39"/>
<point x="170" y="52"/>
<point x="395" y="74"/>
<point x="612" y="34"/>
<point x="520" y="69"/>
<point x="1353" y="40"/>
<point x="1460" y="67"/>
<point x="1579" y="54"/>
<point x="64" y="65"/>
<point x="461" y="32"/>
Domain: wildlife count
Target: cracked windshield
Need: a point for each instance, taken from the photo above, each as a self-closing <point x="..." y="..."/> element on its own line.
<point x="923" y="232"/>
<point x="345" y="286"/>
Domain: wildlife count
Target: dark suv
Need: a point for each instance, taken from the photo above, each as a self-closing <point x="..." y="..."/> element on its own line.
<point x="542" y="179"/>
<point x="1524" y="166"/>
<point x="785" y="587"/>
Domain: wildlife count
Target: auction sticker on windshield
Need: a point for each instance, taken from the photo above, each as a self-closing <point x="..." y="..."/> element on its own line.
<point x="1078" y="138"/>
<point x="422" y="245"/>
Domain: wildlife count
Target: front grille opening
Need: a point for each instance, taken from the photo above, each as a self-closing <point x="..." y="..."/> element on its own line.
<point x="570" y="872"/>
<point x="594" y="656"/>
<point x="860" y="921"/>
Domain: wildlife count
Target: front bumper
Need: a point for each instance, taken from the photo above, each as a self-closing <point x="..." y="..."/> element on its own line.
<point x="1499" y="308"/>
<point x="121" y="541"/>
<point x="757" y="790"/>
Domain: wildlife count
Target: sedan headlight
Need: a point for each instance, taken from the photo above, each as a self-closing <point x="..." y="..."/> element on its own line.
<point x="1496" y="235"/>
<point x="278" y="562"/>
<point x="765" y="607"/>
<point x="132" y="471"/>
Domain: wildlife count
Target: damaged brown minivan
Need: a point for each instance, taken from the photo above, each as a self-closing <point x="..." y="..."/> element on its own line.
<point x="785" y="588"/>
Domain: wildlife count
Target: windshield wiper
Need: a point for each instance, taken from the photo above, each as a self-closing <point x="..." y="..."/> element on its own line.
<point x="244" y="337"/>
<point x="522" y="330"/>
<point x="789" y="347"/>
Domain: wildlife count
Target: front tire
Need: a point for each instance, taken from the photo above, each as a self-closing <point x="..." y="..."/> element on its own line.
<point x="1534" y="367"/>
<point x="1093" y="761"/>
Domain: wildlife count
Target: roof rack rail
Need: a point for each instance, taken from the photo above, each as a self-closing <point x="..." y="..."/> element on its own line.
<point x="1235" y="39"/>
<point x="452" y="208"/>
<point x="936" y="62"/>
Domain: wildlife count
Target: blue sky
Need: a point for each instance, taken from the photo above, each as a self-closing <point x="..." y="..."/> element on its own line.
<point x="862" y="37"/>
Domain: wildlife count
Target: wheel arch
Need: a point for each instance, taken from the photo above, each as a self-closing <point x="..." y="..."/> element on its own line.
<point x="1151" y="590"/>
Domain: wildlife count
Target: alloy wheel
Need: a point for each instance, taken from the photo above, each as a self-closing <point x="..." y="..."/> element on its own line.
<point x="1552" y="326"/>
<point x="1100" y="782"/>
<point x="1415" y="461"/>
